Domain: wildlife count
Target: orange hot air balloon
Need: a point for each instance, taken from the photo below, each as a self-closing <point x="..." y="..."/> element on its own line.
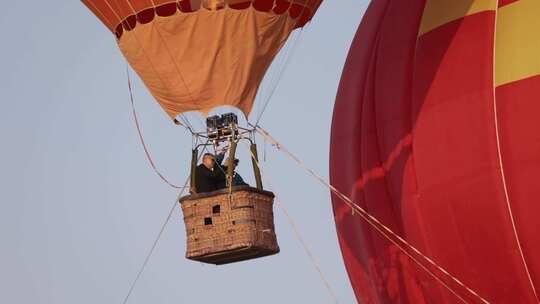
<point x="436" y="132"/>
<point x="196" y="55"/>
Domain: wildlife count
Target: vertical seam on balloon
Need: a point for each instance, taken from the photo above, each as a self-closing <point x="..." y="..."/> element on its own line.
<point x="114" y="12"/>
<point x="399" y="226"/>
<point x="335" y="198"/>
<point x="377" y="138"/>
<point x="100" y="13"/>
<point x="412" y="99"/>
<point x="427" y="248"/>
<point x="365" y="236"/>
<point x="499" y="156"/>
<point x="370" y="238"/>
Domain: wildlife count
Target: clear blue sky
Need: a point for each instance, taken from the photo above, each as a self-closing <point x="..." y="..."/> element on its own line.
<point x="79" y="203"/>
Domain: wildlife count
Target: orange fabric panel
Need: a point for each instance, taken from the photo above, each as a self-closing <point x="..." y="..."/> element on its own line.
<point x="192" y="62"/>
<point x="140" y="5"/>
<point x="194" y="55"/>
<point x="106" y="15"/>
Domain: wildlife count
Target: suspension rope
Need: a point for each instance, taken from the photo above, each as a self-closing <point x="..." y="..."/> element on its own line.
<point x="154" y="245"/>
<point x="297" y="233"/>
<point x="190" y="126"/>
<point x="289" y="52"/>
<point x="158" y="237"/>
<point x="275" y="81"/>
<point x="386" y="232"/>
<point x="146" y="151"/>
<point x="186" y="121"/>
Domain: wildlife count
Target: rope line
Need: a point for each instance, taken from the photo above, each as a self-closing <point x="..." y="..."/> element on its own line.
<point x="185" y="120"/>
<point x="289" y="53"/>
<point x="146" y="151"/>
<point x="154" y="245"/>
<point x="158" y="237"/>
<point x="297" y="233"/>
<point x="171" y="211"/>
<point x="275" y="81"/>
<point x="378" y="225"/>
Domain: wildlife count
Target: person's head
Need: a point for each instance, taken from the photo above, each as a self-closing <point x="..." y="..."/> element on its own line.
<point x="208" y="160"/>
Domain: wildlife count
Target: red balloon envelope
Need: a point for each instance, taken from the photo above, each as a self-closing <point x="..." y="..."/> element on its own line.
<point x="436" y="132"/>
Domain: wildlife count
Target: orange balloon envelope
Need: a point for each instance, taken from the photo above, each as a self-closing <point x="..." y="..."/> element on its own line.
<point x="196" y="55"/>
<point x="436" y="132"/>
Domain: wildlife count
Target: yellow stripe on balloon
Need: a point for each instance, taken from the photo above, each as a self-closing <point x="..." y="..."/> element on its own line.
<point x="517" y="51"/>
<point x="440" y="12"/>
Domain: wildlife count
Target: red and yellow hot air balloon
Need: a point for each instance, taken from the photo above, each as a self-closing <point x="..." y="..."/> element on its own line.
<point x="197" y="55"/>
<point x="436" y="132"/>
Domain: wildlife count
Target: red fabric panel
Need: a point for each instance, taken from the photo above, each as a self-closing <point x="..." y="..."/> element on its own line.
<point x="518" y="111"/>
<point x="462" y="200"/>
<point x="414" y="143"/>
<point x="370" y="151"/>
<point x="353" y="234"/>
<point x="263" y="5"/>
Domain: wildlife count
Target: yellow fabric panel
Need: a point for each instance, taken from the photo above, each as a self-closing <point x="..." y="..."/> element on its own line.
<point x="517" y="51"/>
<point x="205" y="59"/>
<point x="440" y="12"/>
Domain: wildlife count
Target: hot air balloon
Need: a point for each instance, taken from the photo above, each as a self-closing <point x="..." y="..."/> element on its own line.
<point x="436" y="133"/>
<point x="195" y="55"/>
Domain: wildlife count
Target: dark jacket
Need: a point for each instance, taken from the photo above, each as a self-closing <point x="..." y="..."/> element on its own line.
<point x="207" y="180"/>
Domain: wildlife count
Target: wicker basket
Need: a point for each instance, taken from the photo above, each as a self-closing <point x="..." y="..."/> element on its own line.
<point x="223" y="227"/>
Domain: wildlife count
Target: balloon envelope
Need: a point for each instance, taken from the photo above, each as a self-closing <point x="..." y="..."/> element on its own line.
<point x="196" y="55"/>
<point x="436" y="133"/>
